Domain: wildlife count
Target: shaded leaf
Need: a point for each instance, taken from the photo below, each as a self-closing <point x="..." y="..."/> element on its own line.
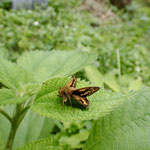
<point x="47" y="102"/>
<point x="45" y="64"/>
<point x="33" y="127"/>
<point x="111" y="81"/>
<point x="44" y="144"/>
<point x="125" y="128"/>
<point x="94" y="76"/>
<point x="13" y="76"/>
<point x="8" y="96"/>
<point x="135" y="84"/>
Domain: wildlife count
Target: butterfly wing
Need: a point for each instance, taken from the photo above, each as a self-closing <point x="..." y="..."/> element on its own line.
<point x="72" y="83"/>
<point x="82" y="100"/>
<point x="87" y="91"/>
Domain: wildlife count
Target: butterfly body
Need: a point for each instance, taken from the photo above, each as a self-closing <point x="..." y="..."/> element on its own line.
<point x="80" y="95"/>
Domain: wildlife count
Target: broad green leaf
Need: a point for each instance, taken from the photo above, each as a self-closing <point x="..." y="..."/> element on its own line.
<point x="33" y="127"/>
<point x="46" y="64"/>
<point x="125" y="128"/>
<point x="2" y="144"/>
<point x="47" y="102"/>
<point x="111" y="81"/>
<point x="31" y="88"/>
<point x="13" y="76"/>
<point x="8" y="96"/>
<point x="94" y="76"/>
<point x="135" y="84"/>
<point x="44" y="144"/>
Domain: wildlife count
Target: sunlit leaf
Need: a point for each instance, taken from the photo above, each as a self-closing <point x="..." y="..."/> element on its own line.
<point x="45" y="64"/>
<point x="47" y="102"/>
<point x="13" y="76"/>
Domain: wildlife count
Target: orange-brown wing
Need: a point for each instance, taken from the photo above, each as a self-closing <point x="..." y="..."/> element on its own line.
<point x="87" y="91"/>
<point x="72" y="83"/>
<point x="82" y="100"/>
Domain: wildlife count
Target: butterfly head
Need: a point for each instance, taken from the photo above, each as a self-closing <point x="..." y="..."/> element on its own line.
<point x="61" y="92"/>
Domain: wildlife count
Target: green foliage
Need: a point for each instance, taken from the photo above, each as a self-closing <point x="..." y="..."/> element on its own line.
<point x="23" y="80"/>
<point x="46" y="64"/>
<point x="35" y="67"/>
<point x="33" y="127"/>
<point x="13" y="76"/>
<point x="3" y="52"/>
<point x="72" y="25"/>
<point x="123" y="83"/>
<point x="8" y="96"/>
<point x="94" y="76"/>
<point x="44" y="144"/>
<point x="47" y="102"/>
<point x="127" y="127"/>
<point x="6" y="4"/>
<point x="61" y="28"/>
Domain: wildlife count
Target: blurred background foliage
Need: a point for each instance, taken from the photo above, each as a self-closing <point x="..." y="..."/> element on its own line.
<point x="120" y="37"/>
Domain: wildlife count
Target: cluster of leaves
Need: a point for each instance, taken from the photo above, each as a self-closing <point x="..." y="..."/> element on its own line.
<point x="61" y="28"/>
<point x="23" y="87"/>
<point x="122" y="49"/>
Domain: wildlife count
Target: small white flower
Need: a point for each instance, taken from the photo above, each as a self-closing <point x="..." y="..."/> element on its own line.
<point x="30" y="11"/>
<point x="66" y="27"/>
<point x="138" y="69"/>
<point x="36" y="23"/>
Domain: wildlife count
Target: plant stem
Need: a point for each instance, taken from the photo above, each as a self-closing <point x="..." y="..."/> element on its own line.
<point x="6" y="115"/>
<point x="18" y="116"/>
<point x="119" y="66"/>
<point x="10" y="139"/>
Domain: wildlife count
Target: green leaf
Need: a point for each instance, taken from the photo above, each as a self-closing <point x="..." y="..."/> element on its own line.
<point x="46" y="64"/>
<point x="2" y="145"/>
<point x="94" y="76"/>
<point x="33" y="127"/>
<point x="31" y="88"/>
<point x="44" y="144"/>
<point x="47" y="102"/>
<point x="125" y="128"/>
<point x="8" y="96"/>
<point x="111" y="81"/>
<point x="135" y="84"/>
<point x="12" y="75"/>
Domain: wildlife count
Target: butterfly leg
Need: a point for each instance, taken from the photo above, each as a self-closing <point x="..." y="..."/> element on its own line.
<point x="64" y="100"/>
<point x="70" y="100"/>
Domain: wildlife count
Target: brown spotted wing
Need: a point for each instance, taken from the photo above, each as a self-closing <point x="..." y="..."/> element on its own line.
<point x="80" y="95"/>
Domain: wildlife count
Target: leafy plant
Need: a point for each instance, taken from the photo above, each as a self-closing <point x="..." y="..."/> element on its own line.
<point x="19" y="125"/>
<point x="127" y="127"/>
<point x="22" y="81"/>
<point x="31" y="114"/>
